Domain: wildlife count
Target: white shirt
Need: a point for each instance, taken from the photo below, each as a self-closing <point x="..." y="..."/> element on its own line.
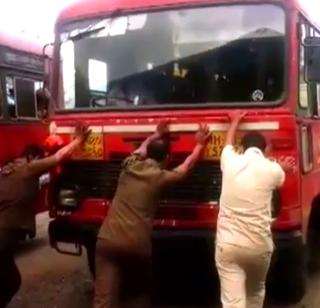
<point x="248" y="181"/>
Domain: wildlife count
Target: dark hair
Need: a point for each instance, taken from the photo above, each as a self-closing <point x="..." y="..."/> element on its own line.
<point x="32" y="151"/>
<point x="254" y="139"/>
<point x="158" y="150"/>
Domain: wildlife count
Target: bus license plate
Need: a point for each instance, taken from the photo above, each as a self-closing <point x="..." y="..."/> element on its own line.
<point x="215" y="145"/>
<point x="92" y="148"/>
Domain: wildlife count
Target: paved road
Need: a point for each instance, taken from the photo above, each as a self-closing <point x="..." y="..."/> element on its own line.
<point x="52" y="280"/>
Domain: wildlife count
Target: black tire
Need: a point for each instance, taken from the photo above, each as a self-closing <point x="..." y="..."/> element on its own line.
<point x="183" y="271"/>
<point x="32" y="234"/>
<point x="313" y="238"/>
<point x="91" y="254"/>
<point x="288" y="274"/>
<point x="313" y="251"/>
<point x="25" y="235"/>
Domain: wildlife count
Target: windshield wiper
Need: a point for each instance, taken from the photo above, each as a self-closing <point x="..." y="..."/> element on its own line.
<point x="123" y="99"/>
<point x="91" y="30"/>
<point x="95" y="100"/>
<point x="86" y="33"/>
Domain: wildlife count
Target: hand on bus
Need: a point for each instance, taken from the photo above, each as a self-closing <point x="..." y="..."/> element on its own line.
<point x="162" y="128"/>
<point x="237" y="115"/>
<point x="82" y="132"/>
<point x="287" y="163"/>
<point x="202" y="134"/>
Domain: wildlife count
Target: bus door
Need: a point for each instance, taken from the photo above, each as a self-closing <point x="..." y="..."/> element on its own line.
<point x="21" y="121"/>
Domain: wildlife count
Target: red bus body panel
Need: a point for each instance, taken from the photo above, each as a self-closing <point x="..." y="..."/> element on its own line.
<point x="306" y="186"/>
<point x="190" y="215"/>
<point x="87" y="9"/>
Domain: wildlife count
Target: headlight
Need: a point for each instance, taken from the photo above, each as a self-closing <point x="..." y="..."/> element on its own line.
<point x="44" y="180"/>
<point x="69" y="198"/>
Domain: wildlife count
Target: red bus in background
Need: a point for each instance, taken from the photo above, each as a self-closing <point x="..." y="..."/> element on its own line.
<point x="23" y="75"/>
<point x="123" y="65"/>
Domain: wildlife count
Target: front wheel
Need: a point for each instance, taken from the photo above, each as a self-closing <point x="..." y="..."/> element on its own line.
<point x="24" y="235"/>
<point x="313" y="252"/>
<point x="91" y="255"/>
<point x="288" y="273"/>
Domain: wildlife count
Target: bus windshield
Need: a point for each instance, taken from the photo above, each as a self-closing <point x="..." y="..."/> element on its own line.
<point x="218" y="55"/>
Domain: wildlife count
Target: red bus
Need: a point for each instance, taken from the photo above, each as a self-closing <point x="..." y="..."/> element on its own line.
<point x="23" y="74"/>
<point x="123" y="65"/>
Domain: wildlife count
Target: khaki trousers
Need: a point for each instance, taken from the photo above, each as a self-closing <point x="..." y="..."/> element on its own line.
<point x="123" y="279"/>
<point x="242" y="273"/>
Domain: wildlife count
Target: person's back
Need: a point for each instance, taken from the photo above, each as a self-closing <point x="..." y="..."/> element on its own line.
<point x="129" y="222"/>
<point x="19" y="187"/>
<point x="124" y="241"/>
<point x="244" y="241"/>
<point x="245" y="203"/>
<point x="18" y="191"/>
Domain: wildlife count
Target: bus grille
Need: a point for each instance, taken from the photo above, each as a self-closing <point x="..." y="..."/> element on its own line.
<point x="98" y="179"/>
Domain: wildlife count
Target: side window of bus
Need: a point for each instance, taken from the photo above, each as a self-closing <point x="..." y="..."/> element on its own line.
<point x="11" y="98"/>
<point x="21" y="97"/>
<point x="317" y="87"/>
<point x="309" y="100"/>
<point x="1" y="101"/>
<point x="303" y="97"/>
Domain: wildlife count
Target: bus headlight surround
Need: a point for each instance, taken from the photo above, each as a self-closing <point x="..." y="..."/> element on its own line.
<point x="68" y="198"/>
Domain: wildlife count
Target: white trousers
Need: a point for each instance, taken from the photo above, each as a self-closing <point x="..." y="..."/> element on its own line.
<point x="242" y="273"/>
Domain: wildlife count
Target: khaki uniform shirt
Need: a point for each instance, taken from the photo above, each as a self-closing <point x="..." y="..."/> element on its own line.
<point x="128" y="225"/>
<point x="248" y="182"/>
<point x="19" y="188"/>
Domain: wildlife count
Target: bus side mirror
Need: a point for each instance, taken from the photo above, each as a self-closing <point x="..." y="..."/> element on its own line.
<point x="312" y="59"/>
<point x="47" y="52"/>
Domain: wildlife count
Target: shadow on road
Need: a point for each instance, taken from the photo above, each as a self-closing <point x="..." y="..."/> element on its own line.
<point x="29" y="246"/>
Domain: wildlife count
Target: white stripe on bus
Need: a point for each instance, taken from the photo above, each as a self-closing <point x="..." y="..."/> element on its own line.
<point x="269" y="126"/>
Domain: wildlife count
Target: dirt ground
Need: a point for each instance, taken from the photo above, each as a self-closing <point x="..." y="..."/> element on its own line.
<point x="52" y="280"/>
